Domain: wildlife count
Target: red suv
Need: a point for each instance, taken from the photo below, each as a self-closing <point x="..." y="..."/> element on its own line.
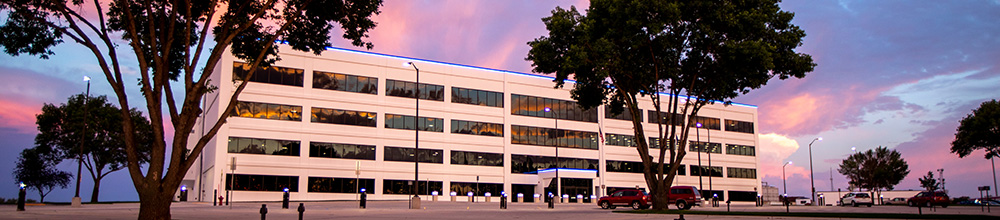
<point x="638" y="199"/>
<point x="928" y="199"/>
<point x="683" y="196"/>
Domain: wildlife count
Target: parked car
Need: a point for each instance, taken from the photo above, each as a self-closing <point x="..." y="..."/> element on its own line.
<point x="929" y="199"/>
<point x="896" y="201"/>
<point x="682" y="196"/>
<point x="637" y="199"/>
<point x="857" y="198"/>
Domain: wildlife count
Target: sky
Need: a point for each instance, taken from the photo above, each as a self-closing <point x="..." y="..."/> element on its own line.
<point x="897" y="74"/>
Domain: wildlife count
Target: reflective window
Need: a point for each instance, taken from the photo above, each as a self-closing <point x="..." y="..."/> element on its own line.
<point x="263" y="146"/>
<point x="246" y="182"/>
<point x="476" y="158"/>
<point x="476" y="128"/>
<point x="345" y="151"/>
<point x="403" y="154"/>
<point x="535" y="107"/>
<point x="271" y="75"/>
<point x="619" y="140"/>
<point x="655" y="142"/>
<point x="553" y="137"/>
<point x="706" y="122"/>
<point x="344" y="82"/>
<point x="636" y="167"/>
<point x="476" y="97"/>
<point x="339" y="185"/>
<point x="532" y="163"/>
<point x="406" y="122"/>
<point x="405" y="187"/>
<point x="715" y="148"/>
<point x="746" y="196"/>
<point x="625" y="115"/>
<point x="267" y="111"/>
<point x="706" y="171"/>
<point x="344" y="117"/>
<point x="478" y="189"/>
<point x="664" y="118"/>
<point x="740" y="150"/>
<point x="733" y="172"/>
<point x="739" y="126"/>
<point x="409" y="89"/>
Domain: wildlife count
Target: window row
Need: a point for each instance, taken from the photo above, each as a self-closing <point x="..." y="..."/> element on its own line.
<point x="476" y="97"/>
<point x="403" y="154"/>
<point x="476" y="158"/>
<point x="476" y="128"/>
<point x="635" y="167"/>
<point x="739" y="126"/>
<point x="625" y="115"/>
<point x="407" y="122"/>
<point x="343" y="151"/>
<point x="745" y="150"/>
<point x="553" y="137"/>
<point x="619" y="140"/>
<point x="267" y="111"/>
<point x="345" y="82"/>
<point x="708" y="147"/>
<point x="344" y="117"/>
<point x="678" y="119"/>
<point x="409" y="90"/>
<point x="706" y="171"/>
<point x="271" y="75"/>
<point x="478" y="189"/>
<point x="532" y="163"/>
<point x="560" y="109"/>
<point x="263" y="146"/>
<point x="248" y="182"/>
<point x="339" y="185"/>
<point x="405" y="187"/>
<point x="733" y="172"/>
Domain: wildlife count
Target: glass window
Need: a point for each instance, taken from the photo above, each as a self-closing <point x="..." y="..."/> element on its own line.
<point x="271" y="75"/>
<point x="263" y="146"/>
<point x="407" y="122"/>
<point x="733" y="172"/>
<point x="409" y="90"/>
<point x="345" y="151"/>
<point x="403" y="154"/>
<point x="478" y="189"/>
<point x="552" y="137"/>
<point x="405" y="187"/>
<point x="476" y="158"/>
<point x="739" y="126"/>
<point x="567" y="110"/>
<point x="706" y="171"/>
<point x="744" y="150"/>
<point x="267" y="111"/>
<point x="531" y="164"/>
<point x="344" y="117"/>
<point x="625" y="115"/>
<point x="247" y="182"/>
<point x="715" y="148"/>
<point x="339" y="185"/>
<point x="476" y="128"/>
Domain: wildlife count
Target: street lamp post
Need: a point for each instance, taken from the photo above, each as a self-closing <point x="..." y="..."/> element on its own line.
<point x="415" y="201"/>
<point x="558" y="182"/>
<point x="701" y="170"/>
<point x="77" y="201"/>
<point x="711" y="171"/>
<point x="784" y="182"/>
<point x="812" y="182"/>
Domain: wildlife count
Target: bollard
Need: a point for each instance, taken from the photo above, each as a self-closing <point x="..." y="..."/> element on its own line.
<point x="263" y="211"/>
<point x="302" y="209"/>
<point x="20" y="198"/>
<point x="920" y="210"/>
<point x="453" y="195"/>
<point x="727" y="205"/>
<point x="216" y="193"/>
<point x="488" y="195"/>
<point x="284" y="200"/>
<point x="364" y="199"/>
<point x="503" y="201"/>
<point x="552" y="201"/>
<point x="681" y="218"/>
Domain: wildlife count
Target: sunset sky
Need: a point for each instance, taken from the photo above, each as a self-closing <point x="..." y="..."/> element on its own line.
<point x="899" y="74"/>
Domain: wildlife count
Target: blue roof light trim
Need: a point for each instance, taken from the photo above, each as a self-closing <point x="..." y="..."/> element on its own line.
<point x="488" y="69"/>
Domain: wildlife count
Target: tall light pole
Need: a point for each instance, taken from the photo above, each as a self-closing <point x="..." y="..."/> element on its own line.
<point x="812" y="181"/>
<point x="701" y="170"/>
<point x="784" y="182"/>
<point x="558" y="182"/>
<point x="711" y="171"/>
<point x="941" y="172"/>
<point x="415" y="201"/>
<point x="77" y="201"/>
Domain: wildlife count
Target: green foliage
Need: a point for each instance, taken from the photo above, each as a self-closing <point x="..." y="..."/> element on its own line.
<point x="707" y="50"/>
<point x="36" y="168"/>
<point x="979" y="130"/>
<point x="880" y="168"/>
<point x="929" y="183"/>
<point x="62" y="127"/>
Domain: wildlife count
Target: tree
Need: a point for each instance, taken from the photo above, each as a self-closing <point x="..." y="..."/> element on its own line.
<point x="928" y="182"/>
<point x="61" y="128"/>
<point x="979" y="130"/>
<point x="875" y="169"/>
<point x="703" y="50"/>
<point x="169" y="41"/>
<point x="36" y="169"/>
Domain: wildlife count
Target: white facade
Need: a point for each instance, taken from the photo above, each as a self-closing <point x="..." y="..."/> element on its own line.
<point x="217" y="160"/>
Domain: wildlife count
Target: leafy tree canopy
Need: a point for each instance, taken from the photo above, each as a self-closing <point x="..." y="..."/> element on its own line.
<point x="929" y="182"/>
<point x="979" y="130"/>
<point x="706" y="50"/>
<point x="36" y="168"/>
<point x="879" y="168"/>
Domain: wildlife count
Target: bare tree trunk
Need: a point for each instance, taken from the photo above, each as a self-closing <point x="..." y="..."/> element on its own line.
<point x="155" y="205"/>
<point x="97" y="190"/>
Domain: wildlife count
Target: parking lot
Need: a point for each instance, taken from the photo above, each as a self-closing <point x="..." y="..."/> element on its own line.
<point x="431" y="210"/>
